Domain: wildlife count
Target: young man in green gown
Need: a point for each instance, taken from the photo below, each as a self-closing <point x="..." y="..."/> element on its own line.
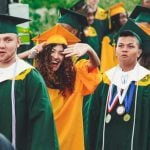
<point x="25" y="112"/>
<point x="119" y="115"/>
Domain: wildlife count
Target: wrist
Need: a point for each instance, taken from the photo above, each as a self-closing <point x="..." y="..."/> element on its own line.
<point x="32" y="53"/>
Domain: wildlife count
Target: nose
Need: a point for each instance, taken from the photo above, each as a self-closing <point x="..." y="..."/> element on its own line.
<point x="55" y="55"/>
<point x="2" y="44"/>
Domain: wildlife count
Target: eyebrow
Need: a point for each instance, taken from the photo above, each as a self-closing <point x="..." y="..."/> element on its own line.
<point x="59" y="51"/>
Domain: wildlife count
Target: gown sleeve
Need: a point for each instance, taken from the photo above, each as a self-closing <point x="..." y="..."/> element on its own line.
<point x="89" y="80"/>
<point x="42" y="133"/>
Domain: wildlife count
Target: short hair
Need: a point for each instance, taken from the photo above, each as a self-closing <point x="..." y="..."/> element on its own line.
<point x="132" y="34"/>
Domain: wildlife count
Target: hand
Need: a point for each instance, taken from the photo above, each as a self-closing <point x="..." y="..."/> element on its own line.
<point x="78" y="49"/>
<point x="39" y="47"/>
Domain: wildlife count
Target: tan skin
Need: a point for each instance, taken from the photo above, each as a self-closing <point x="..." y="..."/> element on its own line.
<point x="9" y="42"/>
<point x="75" y="50"/>
<point x="146" y="3"/>
<point x="93" y="3"/>
<point x="123" y="18"/>
<point x="127" y="51"/>
<point x="58" y="54"/>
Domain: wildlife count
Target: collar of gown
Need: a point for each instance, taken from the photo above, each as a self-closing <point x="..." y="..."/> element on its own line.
<point x="13" y="70"/>
<point x="115" y="75"/>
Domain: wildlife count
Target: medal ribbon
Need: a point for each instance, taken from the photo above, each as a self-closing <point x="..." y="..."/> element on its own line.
<point x="112" y="98"/>
<point x="121" y="94"/>
<point x="128" y="99"/>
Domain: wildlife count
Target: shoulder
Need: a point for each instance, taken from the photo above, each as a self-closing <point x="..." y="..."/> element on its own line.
<point x="100" y="14"/>
<point x="145" y="81"/>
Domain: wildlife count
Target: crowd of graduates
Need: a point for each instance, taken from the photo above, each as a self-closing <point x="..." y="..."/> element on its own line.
<point x="88" y="87"/>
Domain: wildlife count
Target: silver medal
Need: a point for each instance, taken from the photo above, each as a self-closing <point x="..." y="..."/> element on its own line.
<point x="120" y="110"/>
<point x="108" y="118"/>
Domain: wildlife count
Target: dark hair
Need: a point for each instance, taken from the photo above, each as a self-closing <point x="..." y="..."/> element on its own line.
<point x="64" y="78"/>
<point x="132" y="34"/>
<point x="115" y="23"/>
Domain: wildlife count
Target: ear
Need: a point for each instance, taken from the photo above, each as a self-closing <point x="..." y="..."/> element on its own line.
<point x="139" y="52"/>
<point x="18" y="41"/>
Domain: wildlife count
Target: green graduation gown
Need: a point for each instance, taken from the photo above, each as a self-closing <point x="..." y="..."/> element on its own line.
<point x="118" y="134"/>
<point x="35" y="128"/>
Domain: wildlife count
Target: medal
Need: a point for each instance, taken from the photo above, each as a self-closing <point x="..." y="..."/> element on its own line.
<point x="126" y="117"/>
<point x="120" y="110"/>
<point x="108" y="118"/>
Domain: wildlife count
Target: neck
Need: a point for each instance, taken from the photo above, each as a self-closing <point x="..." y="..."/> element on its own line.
<point x="126" y="67"/>
<point x="8" y="63"/>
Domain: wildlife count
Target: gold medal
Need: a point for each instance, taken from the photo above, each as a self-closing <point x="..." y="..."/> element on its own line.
<point x="108" y="118"/>
<point x="120" y="110"/>
<point x="126" y="117"/>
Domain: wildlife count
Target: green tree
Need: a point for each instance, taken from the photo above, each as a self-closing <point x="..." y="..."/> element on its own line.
<point x="42" y="20"/>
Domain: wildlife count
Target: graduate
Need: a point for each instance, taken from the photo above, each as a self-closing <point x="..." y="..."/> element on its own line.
<point x="120" y="110"/>
<point x="73" y="22"/>
<point x="117" y="17"/>
<point x="67" y="82"/>
<point x="25" y="111"/>
<point x="70" y="20"/>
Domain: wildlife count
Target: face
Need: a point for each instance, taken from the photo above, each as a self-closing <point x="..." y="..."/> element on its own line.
<point x="146" y="3"/>
<point x="123" y="18"/>
<point x="8" y="46"/>
<point x="90" y="16"/>
<point x="127" y="51"/>
<point x="57" y="57"/>
<point x="92" y="2"/>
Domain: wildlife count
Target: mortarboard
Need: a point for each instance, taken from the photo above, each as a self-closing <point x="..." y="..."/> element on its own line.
<point x="57" y="35"/>
<point x="116" y="9"/>
<point x="143" y="38"/>
<point x="8" y="23"/>
<point x="72" y="18"/>
<point x="141" y="14"/>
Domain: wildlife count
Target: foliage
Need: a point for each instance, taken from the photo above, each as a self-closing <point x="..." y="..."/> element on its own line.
<point x="42" y="20"/>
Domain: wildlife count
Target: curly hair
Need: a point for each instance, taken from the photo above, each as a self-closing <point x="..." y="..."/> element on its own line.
<point x="64" y="78"/>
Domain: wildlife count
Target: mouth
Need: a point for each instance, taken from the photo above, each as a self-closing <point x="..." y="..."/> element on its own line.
<point x="2" y="53"/>
<point x="54" y="64"/>
<point x="124" y="56"/>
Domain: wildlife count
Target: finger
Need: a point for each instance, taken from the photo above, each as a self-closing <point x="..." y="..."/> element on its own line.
<point x="70" y="55"/>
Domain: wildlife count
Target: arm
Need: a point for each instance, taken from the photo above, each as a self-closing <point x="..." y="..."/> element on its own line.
<point x="32" y="52"/>
<point x="79" y="50"/>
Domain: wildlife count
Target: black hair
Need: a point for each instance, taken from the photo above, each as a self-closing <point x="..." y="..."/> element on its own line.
<point x="132" y="34"/>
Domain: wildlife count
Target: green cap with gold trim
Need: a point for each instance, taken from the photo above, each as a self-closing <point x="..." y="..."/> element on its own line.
<point x="8" y="23"/>
<point x="143" y="38"/>
<point x="72" y="18"/>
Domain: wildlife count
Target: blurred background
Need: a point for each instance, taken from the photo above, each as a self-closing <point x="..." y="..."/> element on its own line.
<point x="44" y="13"/>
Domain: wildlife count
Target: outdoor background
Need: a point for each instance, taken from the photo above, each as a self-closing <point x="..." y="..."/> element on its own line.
<point x="44" y="13"/>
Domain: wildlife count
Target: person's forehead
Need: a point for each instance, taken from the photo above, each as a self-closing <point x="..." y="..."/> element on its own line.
<point x="8" y="35"/>
<point x="127" y="39"/>
<point x="146" y="0"/>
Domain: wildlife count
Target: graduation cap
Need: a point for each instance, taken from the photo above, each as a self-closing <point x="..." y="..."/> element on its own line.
<point x="8" y="23"/>
<point x="141" y="14"/>
<point x="143" y="38"/>
<point x="78" y="5"/>
<point x="57" y="35"/>
<point x="72" y="18"/>
<point x="116" y="9"/>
